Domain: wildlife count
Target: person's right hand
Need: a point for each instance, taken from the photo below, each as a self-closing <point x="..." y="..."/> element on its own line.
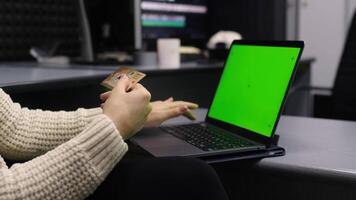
<point x="128" y="109"/>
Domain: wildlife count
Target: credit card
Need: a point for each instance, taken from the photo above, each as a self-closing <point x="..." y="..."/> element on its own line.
<point x="133" y="75"/>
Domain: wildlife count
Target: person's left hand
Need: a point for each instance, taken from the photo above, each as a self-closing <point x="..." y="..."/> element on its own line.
<point x="162" y="110"/>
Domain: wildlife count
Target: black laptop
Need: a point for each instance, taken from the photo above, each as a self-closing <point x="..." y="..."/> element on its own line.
<point x="245" y="110"/>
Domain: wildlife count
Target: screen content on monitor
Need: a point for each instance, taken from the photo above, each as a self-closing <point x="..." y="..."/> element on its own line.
<point x="184" y="19"/>
<point x="252" y="87"/>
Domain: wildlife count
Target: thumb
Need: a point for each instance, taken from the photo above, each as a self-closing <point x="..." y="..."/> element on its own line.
<point x="105" y="96"/>
<point x="122" y="84"/>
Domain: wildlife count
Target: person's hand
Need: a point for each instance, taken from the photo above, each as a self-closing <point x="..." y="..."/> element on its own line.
<point x="128" y="110"/>
<point x="164" y="110"/>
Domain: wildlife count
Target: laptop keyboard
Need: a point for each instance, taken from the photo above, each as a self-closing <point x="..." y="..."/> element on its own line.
<point x="206" y="138"/>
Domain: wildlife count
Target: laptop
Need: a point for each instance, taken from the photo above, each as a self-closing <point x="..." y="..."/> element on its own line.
<point x="245" y="110"/>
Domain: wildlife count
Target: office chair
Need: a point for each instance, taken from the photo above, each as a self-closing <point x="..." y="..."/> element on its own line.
<point x="52" y="25"/>
<point x="340" y="103"/>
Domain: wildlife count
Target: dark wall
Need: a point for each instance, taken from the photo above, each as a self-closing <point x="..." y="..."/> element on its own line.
<point x="254" y="19"/>
<point x="48" y="24"/>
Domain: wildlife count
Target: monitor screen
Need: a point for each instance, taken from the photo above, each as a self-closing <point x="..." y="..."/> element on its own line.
<point x="114" y="24"/>
<point x="184" y="19"/>
<point x="253" y="85"/>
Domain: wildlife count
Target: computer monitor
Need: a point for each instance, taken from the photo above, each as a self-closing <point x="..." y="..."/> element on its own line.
<point x="124" y="25"/>
<point x="115" y="25"/>
<point x="184" y="19"/>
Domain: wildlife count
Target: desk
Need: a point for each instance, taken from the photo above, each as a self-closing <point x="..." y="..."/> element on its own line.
<point x="30" y="73"/>
<point x="320" y="163"/>
<point x="54" y="88"/>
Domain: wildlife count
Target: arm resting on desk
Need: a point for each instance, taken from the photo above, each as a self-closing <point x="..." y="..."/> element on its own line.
<point x="26" y="133"/>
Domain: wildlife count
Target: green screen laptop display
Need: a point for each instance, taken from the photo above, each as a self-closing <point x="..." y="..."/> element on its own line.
<point x="253" y="85"/>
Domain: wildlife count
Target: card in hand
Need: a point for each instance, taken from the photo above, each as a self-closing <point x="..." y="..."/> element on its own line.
<point x="133" y="75"/>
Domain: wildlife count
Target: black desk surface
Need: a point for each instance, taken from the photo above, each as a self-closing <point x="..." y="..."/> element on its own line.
<point x="315" y="147"/>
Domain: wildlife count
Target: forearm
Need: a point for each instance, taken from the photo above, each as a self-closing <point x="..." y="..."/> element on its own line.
<point x="26" y="133"/>
<point x="71" y="171"/>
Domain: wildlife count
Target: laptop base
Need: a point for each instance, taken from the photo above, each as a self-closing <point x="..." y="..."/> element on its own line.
<point x="272" y="151"/>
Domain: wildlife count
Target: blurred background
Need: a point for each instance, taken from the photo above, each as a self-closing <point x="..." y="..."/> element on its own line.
<point x="56" y="40"/>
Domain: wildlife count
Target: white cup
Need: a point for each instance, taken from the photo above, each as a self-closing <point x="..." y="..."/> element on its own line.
<point x="168" y="52"/>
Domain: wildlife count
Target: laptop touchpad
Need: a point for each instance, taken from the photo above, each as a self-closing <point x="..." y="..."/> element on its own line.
<point x="161" y="144"/>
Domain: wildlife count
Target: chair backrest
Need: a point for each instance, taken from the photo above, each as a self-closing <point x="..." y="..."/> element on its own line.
<point x="40" y="23"/>
<point x="344" y="91"/>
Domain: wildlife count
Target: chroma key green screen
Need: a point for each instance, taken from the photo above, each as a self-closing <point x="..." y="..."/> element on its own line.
<point x="252" y="86"/>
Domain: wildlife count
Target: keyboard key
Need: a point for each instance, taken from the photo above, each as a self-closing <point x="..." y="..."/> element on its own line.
<point x="206" y="138"/>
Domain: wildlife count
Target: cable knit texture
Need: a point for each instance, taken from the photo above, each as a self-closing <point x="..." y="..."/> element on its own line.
<point x="73" y="151"/>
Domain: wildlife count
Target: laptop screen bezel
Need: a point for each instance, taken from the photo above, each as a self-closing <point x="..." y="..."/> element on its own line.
<point x="245" y="132"/>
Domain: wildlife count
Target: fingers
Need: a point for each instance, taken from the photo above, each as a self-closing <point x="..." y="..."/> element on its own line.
<point x="183" y="103"/>
<point x="170" y="99"/>
<point x="139" y="89"/>
<point x="174" y="112"/>
<point x="170" y="104"/>
<point x="190" y="115"/>
<point x="123" y="84"/>
<point x="105" y="96"/>
<point x="149" y="109"/>
<point x="191" y="105"/>
<point x="138" y="86"/>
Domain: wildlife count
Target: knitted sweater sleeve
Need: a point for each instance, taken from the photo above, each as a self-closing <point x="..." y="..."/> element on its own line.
<point x="25" y="134"/>
<point x="73" y="170"/>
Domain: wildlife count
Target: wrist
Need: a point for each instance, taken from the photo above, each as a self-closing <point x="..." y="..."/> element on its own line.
<point x="118" y="126"/>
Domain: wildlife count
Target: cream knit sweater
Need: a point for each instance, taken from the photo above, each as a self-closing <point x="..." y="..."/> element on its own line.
<point x="71" y="152"/>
